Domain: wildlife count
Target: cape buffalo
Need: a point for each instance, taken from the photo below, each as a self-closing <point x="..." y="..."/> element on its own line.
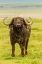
<point x="20" y="30"/>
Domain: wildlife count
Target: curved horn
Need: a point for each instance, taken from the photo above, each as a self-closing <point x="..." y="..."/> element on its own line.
<point x="4" y="22"/>
<point x="29" y="23"/>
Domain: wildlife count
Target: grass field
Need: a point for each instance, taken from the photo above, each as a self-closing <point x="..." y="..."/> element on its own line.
<point x="34" y="49"/>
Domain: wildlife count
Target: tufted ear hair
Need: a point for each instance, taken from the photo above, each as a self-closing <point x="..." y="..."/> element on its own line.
<point x="11" y="23"/>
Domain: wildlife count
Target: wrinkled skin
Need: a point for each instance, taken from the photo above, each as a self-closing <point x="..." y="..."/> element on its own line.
<point x="19" y="33"/>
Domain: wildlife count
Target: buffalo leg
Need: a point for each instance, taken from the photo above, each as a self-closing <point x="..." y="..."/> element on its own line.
<point x="13" y="50"/>
<point x="26" y="45"/>
<point x="22" y="50"/>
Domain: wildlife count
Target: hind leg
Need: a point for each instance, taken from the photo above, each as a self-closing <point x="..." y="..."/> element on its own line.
<point x="22" y="49"/>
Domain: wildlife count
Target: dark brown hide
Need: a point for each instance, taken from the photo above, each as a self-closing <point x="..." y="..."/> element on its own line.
<point x="19" y="33"/>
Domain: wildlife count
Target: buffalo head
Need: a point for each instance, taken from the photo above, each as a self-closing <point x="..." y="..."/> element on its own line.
<point x="18" y="22"/>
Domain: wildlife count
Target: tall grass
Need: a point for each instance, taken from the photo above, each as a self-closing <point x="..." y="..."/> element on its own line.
<point x="34" y="48"/>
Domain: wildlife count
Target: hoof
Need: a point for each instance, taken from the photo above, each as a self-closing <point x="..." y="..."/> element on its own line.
<point x="26" y="53"/>
<point x="12" y="55"/>
<point x="22" y="55"/>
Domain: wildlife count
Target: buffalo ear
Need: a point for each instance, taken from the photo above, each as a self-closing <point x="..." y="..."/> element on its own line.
<point x="11" y="23"/>
<point x="24" y="21"/>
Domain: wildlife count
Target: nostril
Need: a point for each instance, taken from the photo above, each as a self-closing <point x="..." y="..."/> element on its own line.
<point x="18" y="25"/>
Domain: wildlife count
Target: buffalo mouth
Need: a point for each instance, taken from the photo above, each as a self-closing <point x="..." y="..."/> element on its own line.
<point x="18" y="29"/>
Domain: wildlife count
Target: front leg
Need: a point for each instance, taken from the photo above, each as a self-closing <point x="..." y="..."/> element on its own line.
<point x="13" y="50"/>
<point x="26" y="45"/>
<point x="12" y="43"/>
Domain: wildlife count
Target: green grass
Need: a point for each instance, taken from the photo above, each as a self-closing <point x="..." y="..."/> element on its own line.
<point x="34" y="49"/>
